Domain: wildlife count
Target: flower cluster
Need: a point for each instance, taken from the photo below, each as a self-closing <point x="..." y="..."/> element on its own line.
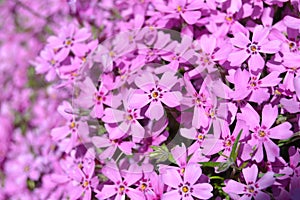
<point x="150" y="99"/>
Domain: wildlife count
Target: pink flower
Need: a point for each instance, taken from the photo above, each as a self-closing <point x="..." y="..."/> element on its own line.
<point x="188" y="10"/>
<point x="127" y="119"/>
<point x="85" y="181"/>
<point x="186" y="187"/>
<point x="155" y="92"/>
<point x="73" y="128"/>
<point x="249" y="85"/>
<point x="252" y="49"/>
<point x="90" y="96"/>
<point x="111" y="145"/>
<point x="252" y="188"/>
<point x="262" y="131"/>
<point x="70" y="39"/>
<point x="122" y="180"/>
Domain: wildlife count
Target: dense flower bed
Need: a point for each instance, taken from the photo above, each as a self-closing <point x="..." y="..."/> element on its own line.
<point x="149" y="99"/>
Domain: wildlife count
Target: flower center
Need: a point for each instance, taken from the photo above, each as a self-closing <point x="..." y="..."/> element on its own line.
<point x="179" y="8"/>
<point x="185" y="189"/>
<point x="262" y="133"/>
<point x="200" y="137"/>
<point x="68" y="42"/>
<point x="129" y="117"/>
<point x="52" y="62"/>
<point x="121" y="188"/>
<point x="111" y="54"/>
<point x="143" y="186"/>
<point x="229" y="18"/>
<point x="85" y="183"/>
<point x="26" y="168"/>
<point x="72" y="125"/>
<point x="253" y="48"/>
<point x="251" y="189"/>
<point x="228" y="143"/>
<point x="291" y="45"/>
<point x="155" y="94"/>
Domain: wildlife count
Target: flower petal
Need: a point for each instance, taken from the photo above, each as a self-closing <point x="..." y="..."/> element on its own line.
<point x="202" y="191"/>
<point x="192" y="173"/>
<point x="269" y="115"/>
<point x="171" y="178"/>
<point x="281" y="131"/>
<point x="256" y="62"/>
<point x="266" y="181"/>
<point x="250" y="174"/>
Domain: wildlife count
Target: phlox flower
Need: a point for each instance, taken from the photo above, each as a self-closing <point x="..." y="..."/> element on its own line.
<point x="186" y="187"/>
<point x="249" y="85"/>
<point x="252" y="49"/>
<point x="91" y="97"/>
<point x="253" y="187"/>
<point x="73" y="128"/>
<point x="188" y="10"/>
<point x="70" y="39"/>
<point x="122" y="180"/>
<point x="155" y="92"/>
<point x="112" y="144"/>
<point x="262" y="131"/>
<point x="127" y="120"/>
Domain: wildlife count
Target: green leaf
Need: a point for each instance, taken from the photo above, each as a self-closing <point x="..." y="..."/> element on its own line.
<point x="234" y="152"/>
<point x="224" y="166"/>
<point x="210" y="164"/>
<point x="160" y="153"/>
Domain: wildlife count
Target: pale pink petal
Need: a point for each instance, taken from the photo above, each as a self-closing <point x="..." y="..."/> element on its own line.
<point x="97" y="111"/>
<point x="168" y="80"/>
<point x="135" y="194"/>
<point x="101" y="142"/>
<point x="180" y="155"/>
<point x="272" y="79"/>
<point x="270" y="47"/>
<point x="138" y="99"/>
<point x="259" y="155"/>
<point x="266" y="181"/>
<point x="145" y="82"/>
<point x="269" y="115"/>
<point x="202" y="191"/>
<point x="79" y="49"/>
<point x="137" y="130"/>
<point x="191" y="17"/>
<point x="256" y="62"/>
<point x="199" y="118"/>
<point x="281" y="131"/>
<point x="234" y="187"/>
<point x="240" y="40"/>
<point x="260" y="95"/>
<point x="172" y="99"/>
<point x="126" y="147"/>
<point x="107" y="191"/>
<point x="60" y="132"/>
<point x="261" y="195"/>
<point x="250" y="174"/>
<point x="250" y="116"/>
<point x="208" y="44"/>
<point x="292" y="22"/>
<point x="260" y="34"/>
<point x="272" y="150"/>
<point x="173" y="194"/>
<point x="189" y="133"/>
<point x="155" y="111"/>
<point x="192" y="173"/>
<point x="212" y="146"/>
<point x="111" y="171"/>
<point x="112" y="115"/>
<point x="171" y="178"/>
<point x="238" y="57"/>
